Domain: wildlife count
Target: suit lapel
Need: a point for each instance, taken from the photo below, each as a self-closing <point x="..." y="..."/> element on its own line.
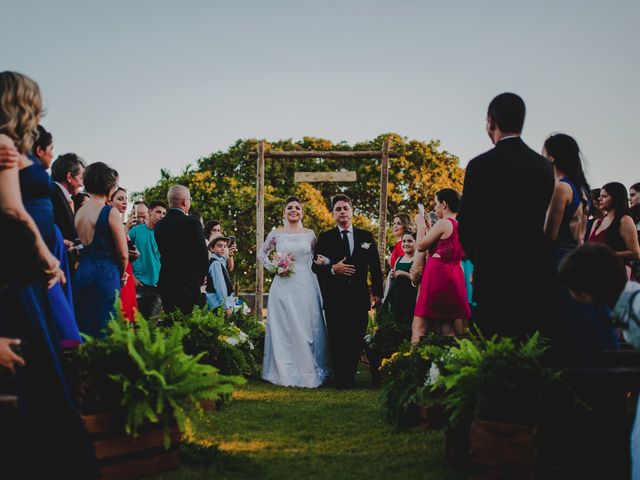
<point x="356" y="242"/>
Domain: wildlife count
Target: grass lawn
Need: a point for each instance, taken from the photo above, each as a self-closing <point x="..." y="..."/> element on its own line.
<point x="271" y="432"/>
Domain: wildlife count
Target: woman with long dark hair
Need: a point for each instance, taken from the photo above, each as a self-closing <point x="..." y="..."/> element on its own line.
<point x="616" y="228"/>
<point x="584" y="330"/>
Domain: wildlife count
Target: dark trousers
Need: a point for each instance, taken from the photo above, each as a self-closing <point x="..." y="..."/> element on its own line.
<point x="180" y="296"/>
<point x="149" y="301"/>
<point x="346" y="328"/>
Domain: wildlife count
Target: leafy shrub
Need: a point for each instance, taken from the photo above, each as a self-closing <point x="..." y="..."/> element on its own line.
<point x="148" y="371"/>
<point x="222" y="343"/>
<point x="385" y="334"/>
<point x="497" y="379"/>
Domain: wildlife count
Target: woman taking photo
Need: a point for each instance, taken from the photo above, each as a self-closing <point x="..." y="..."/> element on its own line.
<point x="442" y="298"/>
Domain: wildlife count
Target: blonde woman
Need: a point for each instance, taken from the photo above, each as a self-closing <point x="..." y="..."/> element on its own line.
<point x="49" y="426"/>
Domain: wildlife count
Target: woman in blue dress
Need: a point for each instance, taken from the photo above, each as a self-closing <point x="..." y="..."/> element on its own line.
<point x="50" y="435"/>
<point x="103" y="260"/>
<point x="35" y="185"/>
<point x="586" y="329"/>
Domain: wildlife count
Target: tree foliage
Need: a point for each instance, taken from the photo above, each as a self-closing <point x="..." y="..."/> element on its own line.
<point x="223" y="186"/>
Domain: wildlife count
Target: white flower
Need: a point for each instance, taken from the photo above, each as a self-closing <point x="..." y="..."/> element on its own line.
<point x="365" y="245"/>
<point x="231" y="341"/>
<point x="434" y="374"/>
<point x="280" y="270"/>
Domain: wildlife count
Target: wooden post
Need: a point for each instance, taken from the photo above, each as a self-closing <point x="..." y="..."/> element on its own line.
<point x="384" y="181"/>
<point x="259" y="229"/>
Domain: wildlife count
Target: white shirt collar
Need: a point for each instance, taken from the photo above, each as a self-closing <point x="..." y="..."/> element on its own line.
<point x="65" y="191"/>
<point x="350" y="229"/>
<point x="508" y="137"/>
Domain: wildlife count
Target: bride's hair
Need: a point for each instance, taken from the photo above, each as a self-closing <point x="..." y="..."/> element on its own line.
<point x="292" y="198"/>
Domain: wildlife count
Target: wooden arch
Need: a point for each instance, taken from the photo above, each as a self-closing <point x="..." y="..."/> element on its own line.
<point x="384" y="154"/>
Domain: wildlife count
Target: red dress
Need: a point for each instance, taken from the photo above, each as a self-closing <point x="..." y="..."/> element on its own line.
<point x="443" y="291"/>
<point x="128" y="295"/>
<point x="396" y="254"/>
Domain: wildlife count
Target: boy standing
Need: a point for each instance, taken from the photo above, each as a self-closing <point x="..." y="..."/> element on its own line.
<point x="219" y="289"/>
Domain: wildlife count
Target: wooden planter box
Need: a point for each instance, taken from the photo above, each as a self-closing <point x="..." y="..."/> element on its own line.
<point x="121" y="456"/>
<point x="502" y="450"/>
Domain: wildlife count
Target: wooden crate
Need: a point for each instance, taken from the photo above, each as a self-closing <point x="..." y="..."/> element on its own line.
<point x="502" y="450"/>
<point x="121" y="456"/>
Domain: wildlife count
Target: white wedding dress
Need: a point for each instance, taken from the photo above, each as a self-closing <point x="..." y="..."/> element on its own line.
<point x="296" y="348"/>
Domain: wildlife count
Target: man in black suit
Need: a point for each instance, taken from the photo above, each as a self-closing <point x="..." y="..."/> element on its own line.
<point x="67" y="174"/>
<point x="504" y="202"/>
<point x="183" y="254"/>
<point x="346" y="255"/>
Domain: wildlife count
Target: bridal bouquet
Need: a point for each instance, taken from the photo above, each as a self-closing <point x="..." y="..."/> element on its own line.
<point x="282" y="264"/>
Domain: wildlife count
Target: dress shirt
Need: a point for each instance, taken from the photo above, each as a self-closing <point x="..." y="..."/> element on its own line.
<point x="349" y="236"/>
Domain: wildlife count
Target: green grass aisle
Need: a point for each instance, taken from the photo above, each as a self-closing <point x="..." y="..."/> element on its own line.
<point x="270" y="432"/>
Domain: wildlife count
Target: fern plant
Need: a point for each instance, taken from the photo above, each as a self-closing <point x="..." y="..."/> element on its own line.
<point x="169" y="382"/>
<point x="496" y="379"/>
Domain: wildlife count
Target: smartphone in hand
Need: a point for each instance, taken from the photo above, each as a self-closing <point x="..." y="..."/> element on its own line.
<point x="421" y="209"/>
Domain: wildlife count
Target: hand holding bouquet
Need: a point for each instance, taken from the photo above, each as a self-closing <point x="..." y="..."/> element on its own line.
<point x="282" y="264"/>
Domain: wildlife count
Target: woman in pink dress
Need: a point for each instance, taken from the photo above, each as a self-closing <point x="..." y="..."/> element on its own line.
<point x="442" y="298"/>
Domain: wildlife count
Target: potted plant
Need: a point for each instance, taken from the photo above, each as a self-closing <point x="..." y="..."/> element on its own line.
<point x="232" y="344"/>
<point x="497" y="390"/>
<point x="384" y="337"/>
<point x="136" y="388"/>
<point x="407" y="386"/>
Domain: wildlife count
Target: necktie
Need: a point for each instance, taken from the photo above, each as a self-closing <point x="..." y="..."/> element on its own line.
<point x="345" y="243"/>
<point x="71" y="206"/>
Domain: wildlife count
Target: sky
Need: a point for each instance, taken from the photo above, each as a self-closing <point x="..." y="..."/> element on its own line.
<point x="144" y="85"/>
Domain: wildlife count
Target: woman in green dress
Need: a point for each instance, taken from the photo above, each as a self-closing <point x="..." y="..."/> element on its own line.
<point x="402" y="293"/>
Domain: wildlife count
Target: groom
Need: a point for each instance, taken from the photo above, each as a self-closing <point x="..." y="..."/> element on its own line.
<point x="345" y="257"/>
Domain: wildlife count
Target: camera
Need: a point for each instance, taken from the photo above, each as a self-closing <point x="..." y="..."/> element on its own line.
<point x="232" y="240"/>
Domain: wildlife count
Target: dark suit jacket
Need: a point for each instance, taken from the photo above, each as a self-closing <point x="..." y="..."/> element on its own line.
<point x="501" y="226"/>
<point x="338" y="290"/>
<point x="184" y="258"/>
<point x="62" y="213"/>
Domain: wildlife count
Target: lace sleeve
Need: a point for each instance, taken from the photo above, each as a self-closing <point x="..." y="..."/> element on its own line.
<point x="268" y="246"/>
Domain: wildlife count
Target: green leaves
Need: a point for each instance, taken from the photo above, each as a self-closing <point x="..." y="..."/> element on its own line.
<point x="223" y="186"/>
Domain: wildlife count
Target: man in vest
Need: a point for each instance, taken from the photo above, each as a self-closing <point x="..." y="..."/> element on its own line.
<point x="219" y="289"/>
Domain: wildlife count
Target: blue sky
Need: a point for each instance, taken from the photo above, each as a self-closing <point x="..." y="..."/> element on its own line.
<point x="144" y="85"/>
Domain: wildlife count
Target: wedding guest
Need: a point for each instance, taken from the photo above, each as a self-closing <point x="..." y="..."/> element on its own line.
<point x="583" y="330"/>
<point x="594" y="211"/>
<point x="67" y="173"/>
<point x="616" y="229"/>
<point x="634" y="211"/>
<point x="213" y="228"/>
<point x="140" y="211"/>
<point x="402" y="293"/>
<point x="128" y="291"/>
<point x="197" y="216"/>
<point x="443" y="296"/>
<point x="219" y="289"/>
<point x="401" y="224"/>
<point x="146" y="268"/>
<point x="183" y="254"/>
<point x="517" y="183"/>
<point x="35" y="185"/>
<point x="103" y="260"/>
<point x="596" y="275"/>
<point x="50" y="432"/>
<point x="79" y="199"/>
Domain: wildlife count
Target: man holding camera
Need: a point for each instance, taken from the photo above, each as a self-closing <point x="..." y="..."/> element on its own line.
<point x="146" y="268"/>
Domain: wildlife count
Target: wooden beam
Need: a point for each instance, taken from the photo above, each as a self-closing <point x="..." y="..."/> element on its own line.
<point x="368" y="154"/>
<point x="259" y="228"/>
<point x="384" y="183"/>
<point x="324" y="177"/>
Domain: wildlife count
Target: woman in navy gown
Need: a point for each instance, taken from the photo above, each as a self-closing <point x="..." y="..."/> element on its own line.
<point x="104" y="258"/>
<point x="584" y="329"/>
<point x="50" y="436"/>
<point x="35" y="185"/>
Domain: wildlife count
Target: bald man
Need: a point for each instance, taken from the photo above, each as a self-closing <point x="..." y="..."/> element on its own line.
<point x="183" y="254"/>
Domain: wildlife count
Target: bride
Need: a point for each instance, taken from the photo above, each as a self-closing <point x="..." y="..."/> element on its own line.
<point x="295" y="350"/>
